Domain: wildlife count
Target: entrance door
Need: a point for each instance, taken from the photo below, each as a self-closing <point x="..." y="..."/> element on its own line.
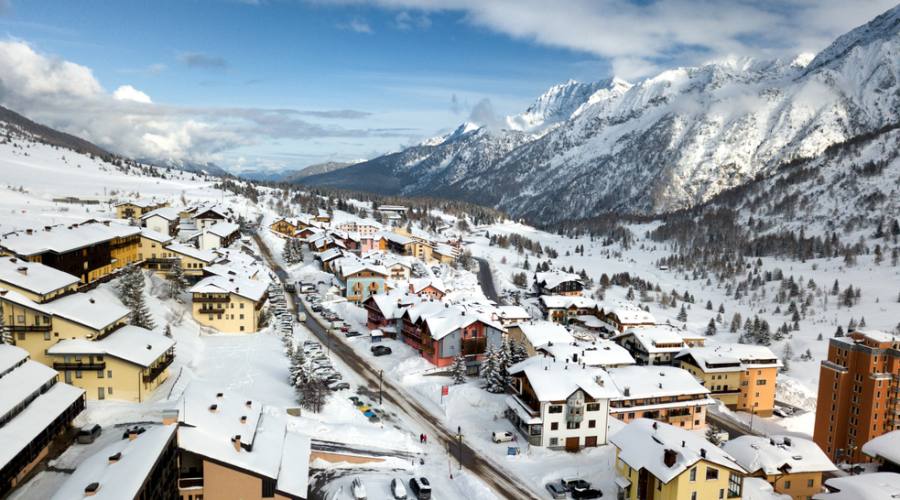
<point x="572" y="444"/>
<point x="68" y="376"/>
<point x="101" y="393"/>
<point x="590" y="441"/>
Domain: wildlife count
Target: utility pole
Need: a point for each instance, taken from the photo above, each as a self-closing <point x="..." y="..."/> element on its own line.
<point x="459" y="438"/>
<point x="380" y="387"/>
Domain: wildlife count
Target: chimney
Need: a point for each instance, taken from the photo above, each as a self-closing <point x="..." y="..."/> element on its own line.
<point x="236" y="441"/>
<point x="213" y="408"/>
<point x="132" y="434"/>
<point x="627" y="393"/>
<point x="702" y="452"/>
<point x="91" y="300"/>
<point x="669" y="457"/>
<point x="787" y="441"/>
<point x="91" y="489"/>
<point x="23" y="270"/>
<point x="29" y="231"/>
<point x="115" y="458"/>
<point x="243" y="419"/>
<point x="683" y="443"/>
<point x="655" y="425"/>
<point x="249" y="403"/>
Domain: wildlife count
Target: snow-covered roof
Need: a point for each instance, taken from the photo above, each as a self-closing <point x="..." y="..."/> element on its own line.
<point x="130" y="343"/>
<point x="139" y="203"/>
<point x="167" y="213"/>
<point x="156" y="235"/>
<point x="266" y="446"/>
<point x="356" y="267"/>
<point x="885" y="447"/>
<point x="449" y="319"/>
<point x="552" y="279"/>
<point x="629" y="314"/>
<point x="512" y="313"/>
<point x="444" y="249"/>
<point x="250" y="289"/>
<point x="126" y="475"/>
<point x="223" y="229"/>
<point x="644" y="382"/>
<point x="642" y="444"/>
<point x="93" y="309"/>
<point x="556" y="380"/>
<point x="35" y="418"/>
<point x="874" y="486"/>
<point x="567" y="301"/>
<point x="62" y="239"/>
<point x="20" y="383"/>
<point x="193" y="252"/>
<point x="330" y="254"/>
<point x="211" y="212"/>
<point x="878" y="335"/>
<point x="540" y="333"/>
<point x="601" y="352"/>
<point x="724" y="357"/>
<point x="11" y="356"/>
<point x="232" y="269"/>
<point x="656" y="339"/>
<point x="34" y="276"/>
<point x="21" y="300"/>
<point x="396" y="238"/>
<point x="778" y="454"/>
<point x="420" y="284"/>
<point x="757" y="488"/>
<point x="393" y="304"/>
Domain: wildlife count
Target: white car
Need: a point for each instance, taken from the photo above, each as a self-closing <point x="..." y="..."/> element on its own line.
<point x="358" y="489"/>
<point x="397" y="489"/>
<point x="502" y="437"/>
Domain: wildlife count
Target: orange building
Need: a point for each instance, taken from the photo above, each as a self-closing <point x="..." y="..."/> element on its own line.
<point x="858" y="393"/>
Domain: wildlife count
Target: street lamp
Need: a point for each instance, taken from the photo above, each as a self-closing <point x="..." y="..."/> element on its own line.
<point x="380" y="386"/>
<point x="459" y="441"/>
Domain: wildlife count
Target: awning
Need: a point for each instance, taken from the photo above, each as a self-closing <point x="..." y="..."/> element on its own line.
<point x="622" y="482"/>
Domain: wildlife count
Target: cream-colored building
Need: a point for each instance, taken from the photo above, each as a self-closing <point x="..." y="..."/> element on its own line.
<point x="193" y="260"/>
<point x="228" y="304"/>
<point x="153" y="253"/>
<point x="792" y="465"/>
<point x="134" y="209"/>
<point x="34" y="280"/>
<point x="162" y="220"/>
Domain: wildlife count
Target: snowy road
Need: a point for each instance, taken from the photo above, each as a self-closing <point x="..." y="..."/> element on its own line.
<point x="486" y="279"/>
<point x="499" y="480"/>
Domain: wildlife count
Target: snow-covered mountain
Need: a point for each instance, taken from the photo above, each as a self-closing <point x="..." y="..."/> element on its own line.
<point x="668" y="142"/>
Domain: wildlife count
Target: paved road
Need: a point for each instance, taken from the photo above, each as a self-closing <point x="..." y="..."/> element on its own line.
<point x="486" y="279"/>
<point x="492" y="474"/>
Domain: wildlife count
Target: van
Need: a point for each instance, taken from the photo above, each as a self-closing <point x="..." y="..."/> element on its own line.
<point x="420" y="487"/>
<point x="502" y="437"/>
<point x="89" y="433"/>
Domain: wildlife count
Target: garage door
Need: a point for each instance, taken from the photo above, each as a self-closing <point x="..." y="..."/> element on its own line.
<point x="590" y="441"/>
<point x="572" y="444"/>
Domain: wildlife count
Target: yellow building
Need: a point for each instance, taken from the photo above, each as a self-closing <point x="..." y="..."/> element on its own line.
<point x="193" y="260"/>
<point x="741" y="376"/>
<point x="284" y="227"/>
<point x="86" y="337"/>
<point x="792" y="465"/>
<point x="126" y="365"/>
<point x="153" y="253"/>
<point x="656" y="461"/>
<point x="228" y="304"/>
<point x="134" y="209"/>
<point x="230" y="448"/>
<point x="91" y="250"/>
<point x="36" y="281"/>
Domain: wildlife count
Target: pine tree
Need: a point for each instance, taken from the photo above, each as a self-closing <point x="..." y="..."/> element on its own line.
<point x="287" y="254"/>
<point x="5" y="336"/>
<point x="131" y="291"/>
<point x="178" y="283"/>
<point x="630" y="294"/>
<point x="709" y="305"/>
<point x="735" y="323"/>
<point x="786" y="358"/>
<point x="458" y="370"/>
<point x="763" y="335"/>
<point x="839" y="332"/>
<point x="490" y="371"/>
<point x="711" y="328"/>
<point x="682" y="314"/>
<point x="517" y="352"/>
<point x="168" y="331"/>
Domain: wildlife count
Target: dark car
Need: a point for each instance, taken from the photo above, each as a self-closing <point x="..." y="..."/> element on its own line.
<point x="420" y="487"/>
<point x="352" y="334"/>
<point x="575" y="484"/>
<point x="587" y="493"/>
<point x="381" y="350"/>
<point x="557" y="490"/>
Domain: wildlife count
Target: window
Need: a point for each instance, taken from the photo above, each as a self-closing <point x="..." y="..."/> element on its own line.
<point x="99" y="373"/>
<point x="268" y="487"/>
<point x="787" y="485"/>
<point x="77" y="373"/>
<point x="108" y="373"/>
<point x="573" y="425"/>
<point x="734" y="485"/>
<point x="555" y="409"/>
<point x="592" y="424"/>
<point x="712" y="473"/>
<point x="721" y="493"/>
<point x="761" y="381"/>
<point x="693" y="495"/>
<point x="694" y="474"/>
<point x="593" y="407"/>
<point x="554" y="426"/>
<point x="554" y="441"/>
<point x="810" y="482"/>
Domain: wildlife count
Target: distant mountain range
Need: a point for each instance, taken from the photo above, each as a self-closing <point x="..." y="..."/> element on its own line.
<point x="665" y="143"/>
<point x="295" y="175"/>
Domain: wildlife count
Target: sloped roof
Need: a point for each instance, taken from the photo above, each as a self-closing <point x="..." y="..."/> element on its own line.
<point x="552" y="279"/>
<point x="22" y="382"/>
<point x="130" y="343"/>
<point x="873" y="486"/>
<point x="629" y="313"/>
<point x="10" y="356"/>
<point x="156" y="235"/>
<point x="710" y="356"/>
<point x="773" y="453"/>
<point x="555" y="380"/>
<point x="655" y="381"/>
<point x="223" y="229"/>
<point x="61" y="239"/>
<point x="250" y="289"/>
<point x="601" y="352"/>
<point x="34" y="276"/>
<point x="642" y="444"/>
<point x="656" y="339"/>
<point x="885" y="446"/>
<point x="95" y="309"/>
<point x="566" y="301"/>
<point x="167" y="213"/>
<point x="541" y="332"/>
<point x="193" y="252"/>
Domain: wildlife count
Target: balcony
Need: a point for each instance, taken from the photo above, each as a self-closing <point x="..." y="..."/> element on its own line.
<point x="211" y="299"/>
<point x="209" y="310"/>
<point x="532" y="408"/>
<point x="76" y="365"/>
<point x="474" y="346"/>
<point x="158" y="369"/>
<point x="190" y="482"/>
<point x="30" y="328"/>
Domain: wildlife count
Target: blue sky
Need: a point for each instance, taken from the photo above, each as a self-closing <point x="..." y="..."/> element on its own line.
<point x="359" y="77"/>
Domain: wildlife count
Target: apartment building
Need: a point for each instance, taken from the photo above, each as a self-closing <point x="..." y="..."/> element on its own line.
<point x="535" y="334"/>
<point x="558" y="404"/>
<point x="792" y="465"/>
<point x="193" y="260"/>
<point x="599" y="353"/>
<point x="558" y="283"/>
<point x="360" y="280"/>
<point x="142" y="466"/>
<point x="134" y="209"/>
<point x="36" y="281"/>
<point x="657" y="461"/>
<point x="35" y="411"/>
<point x="162" y="220"/>
<point x="625" y="315"/>
<point x="656" y="345"/>
<point x="859" y="385"/>
<point x="741" y="376"/>
<point x="663" y="393"/>
<point x="284" y="227"/>
<point x="566" y="308"/>
<point x="228" y="304"/>
<point x="219" y="235"/>
<point x="91" y="250"/>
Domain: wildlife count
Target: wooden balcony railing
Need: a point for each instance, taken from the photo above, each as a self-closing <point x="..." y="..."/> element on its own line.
<point x="76" y="365"/>
<point x="158" y="369"/>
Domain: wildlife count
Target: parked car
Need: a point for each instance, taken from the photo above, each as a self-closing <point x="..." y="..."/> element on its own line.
<point x="290" y="288"/>
<point x="352" y="334"/>
<point x="588" y="493"/>
<point x="311" y="342"/>
<point x="339" y="386"/>
<point x="345" y="328"/>
<point x="783" y="411"/>
<point x="381" y="350"/>
<point x="502" y="436"/>
<point x="557" y="490"/>
<point x="88" y="433"/>
<point x="301" y="317"/>
<point x="420" y="487"/>
<point x="359" y="491"/>
<point x="575" y="484"/>
<point x="397" y="489"/>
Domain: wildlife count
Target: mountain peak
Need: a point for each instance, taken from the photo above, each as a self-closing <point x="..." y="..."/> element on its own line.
<point x="883" y="27"/>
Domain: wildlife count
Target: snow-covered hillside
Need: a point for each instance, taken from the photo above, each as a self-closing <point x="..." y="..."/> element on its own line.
<point x="667" y="142"/>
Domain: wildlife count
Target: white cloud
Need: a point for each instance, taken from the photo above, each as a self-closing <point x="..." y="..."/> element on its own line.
<point x="639" y="38"/>
<point x="129" y="93"/>
<point x="68" y="97"/>
<point x="358" y="25"/>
